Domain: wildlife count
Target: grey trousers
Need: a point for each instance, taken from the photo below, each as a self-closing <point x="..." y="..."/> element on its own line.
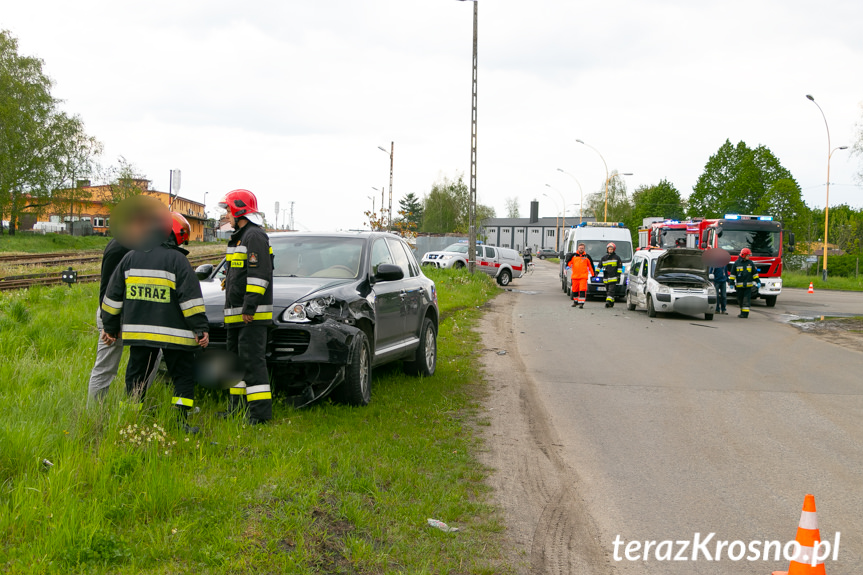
<point x="107" y="363"/>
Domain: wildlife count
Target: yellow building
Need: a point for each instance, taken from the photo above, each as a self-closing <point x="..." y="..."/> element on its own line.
<point x="93" y="204"/>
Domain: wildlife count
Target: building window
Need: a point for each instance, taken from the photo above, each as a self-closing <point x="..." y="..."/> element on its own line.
<point x="98" y="222"/>
<point x="549" y="233"/>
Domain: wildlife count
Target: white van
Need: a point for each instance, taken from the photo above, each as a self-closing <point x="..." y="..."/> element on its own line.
<point x="595" y="237"/>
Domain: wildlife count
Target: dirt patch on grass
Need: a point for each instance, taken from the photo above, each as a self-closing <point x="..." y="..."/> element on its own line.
<point x="844" y="331"/>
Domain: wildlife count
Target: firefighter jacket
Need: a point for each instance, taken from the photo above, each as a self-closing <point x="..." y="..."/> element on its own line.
<point x="249" y="279"/>
<point x="744" y="274"/>
<point x="612" y="266"/>
<point x="581" y="267"/>
<point x="154" y="299"/>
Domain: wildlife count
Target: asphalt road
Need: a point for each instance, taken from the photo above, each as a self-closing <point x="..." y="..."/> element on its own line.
<point x="660" y="429"/>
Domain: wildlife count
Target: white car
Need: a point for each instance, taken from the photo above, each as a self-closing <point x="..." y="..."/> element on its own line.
<point x="673" y="280"/>
<point x="503" y="264"/>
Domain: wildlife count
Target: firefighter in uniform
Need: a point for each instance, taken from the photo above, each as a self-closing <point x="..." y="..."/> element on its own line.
<point x="249" y="304"/>
<point x="154" y="300"/>
<point x="744" y="274"/>
<point x="582" y="270"/>
<point x="611" y="265"/>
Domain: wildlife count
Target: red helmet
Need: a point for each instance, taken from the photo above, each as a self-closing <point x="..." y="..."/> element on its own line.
<point x="611" y="245"/>
<point x="745" y="252"/>
<point x="239" y="203"/>
<point x="180" y="228"/>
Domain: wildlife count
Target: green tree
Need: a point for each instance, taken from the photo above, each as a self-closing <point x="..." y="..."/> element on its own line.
<point x="445" y="208"/>
<point x="735" y="180"/>
<point x="659" y="200"/>
<point x="39" y="144"/>
<point x="512" y="210"/>
<point x="123" y="180"/>
<point x="619" y="204"/>
<point x="411" y="210"/>
<point x="784" y="202"/>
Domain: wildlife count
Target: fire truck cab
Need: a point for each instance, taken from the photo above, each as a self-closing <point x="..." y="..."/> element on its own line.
<point x="665" y="234"/>
<point x="761" y="234"/>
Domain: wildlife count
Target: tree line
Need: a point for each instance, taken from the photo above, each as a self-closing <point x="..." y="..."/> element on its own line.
<point x="45" y="153"/>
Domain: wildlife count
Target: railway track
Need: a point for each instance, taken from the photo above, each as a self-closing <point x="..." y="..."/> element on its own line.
<point x="53" y="278"/>
<point x="49" y="258"/>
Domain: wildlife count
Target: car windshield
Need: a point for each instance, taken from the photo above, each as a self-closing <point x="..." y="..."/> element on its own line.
<point x="761" y="242"/>
<point x="598" y="248"/>
<point x="317" y="257"/>
<point x="669" y="238"/>
<point x="459" y="248"/>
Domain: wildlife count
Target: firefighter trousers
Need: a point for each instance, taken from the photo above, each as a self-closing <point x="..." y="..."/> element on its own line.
<point x="249" y="343"/>
<point x="181" y="367"/>
<point x="744" y="297"/>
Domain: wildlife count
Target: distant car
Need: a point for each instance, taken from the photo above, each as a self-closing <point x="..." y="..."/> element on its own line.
<point x="673" y="280"/>
<point x="342" y="304"/>
<point x="543" y="253"/>
<point x="503" y="264"/>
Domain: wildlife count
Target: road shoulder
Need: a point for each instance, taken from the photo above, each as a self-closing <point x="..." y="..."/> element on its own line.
<point x="548" y="528"/>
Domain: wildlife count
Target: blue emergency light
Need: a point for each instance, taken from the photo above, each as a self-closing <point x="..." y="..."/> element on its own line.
<point x="732" y="217"/>
<point x="765" y="218"/>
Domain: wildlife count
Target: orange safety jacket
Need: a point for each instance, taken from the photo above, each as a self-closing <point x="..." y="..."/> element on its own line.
<point x="581" y="268"/>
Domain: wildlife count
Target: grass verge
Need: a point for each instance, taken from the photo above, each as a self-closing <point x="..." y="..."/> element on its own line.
<point x="801" y="280"/>
<point x="330" y="489"/>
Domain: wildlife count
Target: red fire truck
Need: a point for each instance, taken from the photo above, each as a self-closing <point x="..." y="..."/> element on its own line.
<point x="664" y="234"/>
<point x="761" y="234"/>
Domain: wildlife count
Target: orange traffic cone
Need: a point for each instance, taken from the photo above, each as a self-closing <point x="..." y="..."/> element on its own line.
<point x="811" y="288"/>
<point x="807" y="535"/>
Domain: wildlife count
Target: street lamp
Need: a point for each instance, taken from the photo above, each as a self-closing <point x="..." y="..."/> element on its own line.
<point x="556" y="229"/>
<point x="391" y="153"/>
<point x="580" y="193"/>
<point x="827" y="199"/>
<point x="563" y="201"/>
<point x="607" y="178"/>
<point x="372" y="198"/>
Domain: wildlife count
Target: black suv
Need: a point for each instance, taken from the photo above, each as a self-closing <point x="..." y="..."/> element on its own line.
<point x="342" y="303"/>
<point x="547" y="253"/>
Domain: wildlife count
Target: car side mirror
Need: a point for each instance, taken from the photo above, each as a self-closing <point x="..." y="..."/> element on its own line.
<point x="203" y="271"/>
<point x="389" y="273"/>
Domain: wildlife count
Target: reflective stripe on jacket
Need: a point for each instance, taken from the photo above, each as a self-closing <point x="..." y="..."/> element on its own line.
<point x="744" y="273"/>
<point x="611" y="265"/>
<point x="154" y="299"/>
<point x="249" y="277"/>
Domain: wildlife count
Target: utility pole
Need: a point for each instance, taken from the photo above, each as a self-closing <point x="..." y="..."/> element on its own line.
<point x="472" y="203"/>
<point x="292" y="215"/>
<point x="390" y="216"/>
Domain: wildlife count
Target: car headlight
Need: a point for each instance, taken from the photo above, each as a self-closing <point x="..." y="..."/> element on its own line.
<point x="711" y="290"/>
<point x="663" y="289"/>
<point x="447" y="257"/>
<point x="304" y="312"/>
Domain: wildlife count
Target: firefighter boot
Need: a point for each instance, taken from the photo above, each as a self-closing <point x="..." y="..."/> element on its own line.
<point x="581" y="306"/>
<point x="574" y="303"/>
<point x="182" y="416"/>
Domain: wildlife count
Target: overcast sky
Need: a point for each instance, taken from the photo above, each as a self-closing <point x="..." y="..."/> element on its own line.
<point x="291" y="99"/>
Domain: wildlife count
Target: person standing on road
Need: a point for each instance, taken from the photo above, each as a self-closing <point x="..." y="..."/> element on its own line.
<point x="720" y="278"/>
<point x="611" y="265"/>
<point x="744" y="274"/>
<point x="582" y="271"/>
<point x="249" y="305"/>
<point x="154" y="299"/>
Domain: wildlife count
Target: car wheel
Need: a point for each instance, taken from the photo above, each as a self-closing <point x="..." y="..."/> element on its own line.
<point x="770" y="300"/>
<point x="708" y="316"/>
<point x="458" y="265"/>
<point x="651" y="311"/>
<point x="629" y="305"/>
<point x="356" y="389"/>
<point x="542" y="257"/>
<point x="504" y="278"/>
<point x="425" y="360"/>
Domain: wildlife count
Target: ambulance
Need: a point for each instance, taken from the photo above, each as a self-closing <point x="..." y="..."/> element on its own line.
<point x="595" y="236"/>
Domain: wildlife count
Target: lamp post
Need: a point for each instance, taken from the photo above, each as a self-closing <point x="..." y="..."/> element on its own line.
<point x="372" y="198"/>
<point x="607" y="178"/>
<point x="827" y="198"/>
<point x="391" y="153"/>
<point x="563" y="201"/>
<point x="580" y="193"/>
<point x="556" y="230"/>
